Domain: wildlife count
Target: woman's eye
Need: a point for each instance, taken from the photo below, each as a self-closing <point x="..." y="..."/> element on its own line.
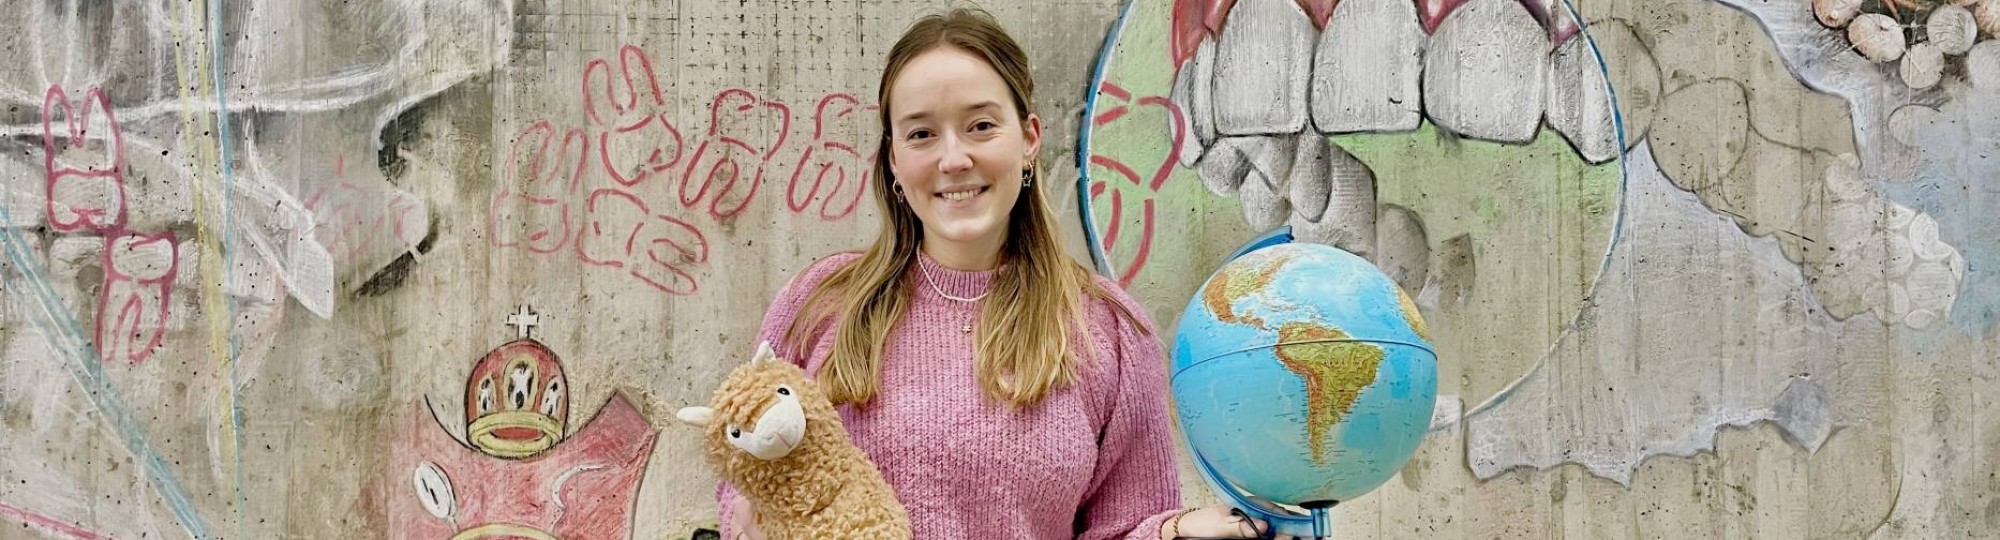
<point x="984" y="125"/>
<point x="918" y="135"/>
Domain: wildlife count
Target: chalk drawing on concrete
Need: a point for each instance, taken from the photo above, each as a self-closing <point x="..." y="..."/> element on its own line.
<point x="1912" y="204"/>
<point x="521" y="470"/>
<point x="1294" y="78"/>
<point x="637" y="194"/>
<point x="1772" y="353"/>
<point x="1471" y="84"/>
<point x="1344" y="122"/>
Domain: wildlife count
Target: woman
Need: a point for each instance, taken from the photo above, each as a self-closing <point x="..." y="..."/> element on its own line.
<point x="1004" y="390"/>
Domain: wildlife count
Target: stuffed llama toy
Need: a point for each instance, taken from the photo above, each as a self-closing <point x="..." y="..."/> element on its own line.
<point x="773" y="436"/>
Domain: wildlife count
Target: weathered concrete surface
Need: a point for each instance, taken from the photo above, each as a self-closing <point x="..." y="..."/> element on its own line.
<point x="255" y="313"/>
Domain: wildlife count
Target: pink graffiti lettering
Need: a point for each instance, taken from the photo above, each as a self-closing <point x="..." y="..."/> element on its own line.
<point x="538" y="215"/>
<point x="1143" y="190"/>
<point x="545" y="203"/>
<point x="636" y="139"/>
<point x="138" y="283"/>
<point x="837" y="172"/>
<point x="738" y="163"/>
<point x="619" y="231"/>
<point x="85" y="179"/>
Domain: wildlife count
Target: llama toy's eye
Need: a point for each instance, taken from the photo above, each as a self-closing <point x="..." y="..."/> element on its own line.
<point x="735" y="433"/>
<point x="784" y="391"/>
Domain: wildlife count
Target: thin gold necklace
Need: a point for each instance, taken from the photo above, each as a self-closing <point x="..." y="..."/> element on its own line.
<point x="928" y="280"/>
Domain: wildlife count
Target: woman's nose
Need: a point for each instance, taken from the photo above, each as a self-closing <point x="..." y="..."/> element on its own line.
<point x="957" y="158"/>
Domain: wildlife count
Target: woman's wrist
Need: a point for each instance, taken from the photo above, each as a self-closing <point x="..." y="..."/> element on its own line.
<point x="1171" y="528"/>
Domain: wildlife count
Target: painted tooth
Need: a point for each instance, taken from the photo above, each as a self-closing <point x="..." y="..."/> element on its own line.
<point x="1346" y="207"/>
<point x="1402" y="248"/>
<point x="1311" y="176"/>
<point x="1877" y="37"/>
<point x="1836" y="13"/>
<point x="1264" y="205"/>
<point x="1982" y="65"/>
<point x="1263" y="209"/>
<point x="1953" y="29"/>
<point x="1987" y="14"/>
<point x="1922" y="66"/>
<point x="1224" y="165"/>
<point x="1484" y="70"/>
<point x="1579" y="105"/>
<point x="1192" y="92"/>
<point x="1366" y="68"/>
<point x="1326" y="178"/>
<point x="1262" y="65"/>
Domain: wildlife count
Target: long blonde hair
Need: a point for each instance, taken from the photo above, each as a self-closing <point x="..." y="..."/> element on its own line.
<point x="1029" y="321"/>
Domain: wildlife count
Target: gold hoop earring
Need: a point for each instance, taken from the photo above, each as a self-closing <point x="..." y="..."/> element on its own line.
<point x="898" y="188"/>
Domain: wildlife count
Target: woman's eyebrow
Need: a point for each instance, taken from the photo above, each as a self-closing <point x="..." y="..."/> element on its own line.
<point x="920" y="115"/>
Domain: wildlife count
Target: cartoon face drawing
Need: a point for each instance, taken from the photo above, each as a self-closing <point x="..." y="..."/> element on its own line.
<point x="516" y="401"/>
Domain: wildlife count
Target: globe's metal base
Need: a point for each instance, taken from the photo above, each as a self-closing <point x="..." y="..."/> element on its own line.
<point x="1315" y="522"/>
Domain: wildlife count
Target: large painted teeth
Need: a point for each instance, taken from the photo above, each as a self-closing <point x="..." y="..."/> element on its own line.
<point x="1484" y="72"/>
<point x="1367" y="67"/>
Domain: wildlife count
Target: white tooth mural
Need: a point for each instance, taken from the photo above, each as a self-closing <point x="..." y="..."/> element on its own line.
<point x="1402" y="248"/>
<point x="1261" y="68"/>
<point x="1263" y="207"/>
<point x="1333" y="197"/>
<point x="1194" y="92"/>
<point x="1484" y="70"/>
<point x="1366" y="69"/>
<point x="1264" y="187"/>
<point x="1311" y="178"/>
<point x="1224" y="165"/>
<point x="1578" y="103"/>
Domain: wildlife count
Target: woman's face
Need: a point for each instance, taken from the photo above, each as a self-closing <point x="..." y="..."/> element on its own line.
<point x="958" y="148"/>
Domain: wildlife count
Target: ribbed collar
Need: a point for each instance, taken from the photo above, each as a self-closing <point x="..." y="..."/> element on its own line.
<point x="959" y="283"/>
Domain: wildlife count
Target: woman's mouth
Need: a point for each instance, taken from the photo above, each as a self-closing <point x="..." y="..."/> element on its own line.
<point x="962" y="197"/>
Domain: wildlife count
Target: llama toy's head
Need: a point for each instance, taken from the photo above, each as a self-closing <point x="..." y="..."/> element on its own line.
<point x="763" y="409"/>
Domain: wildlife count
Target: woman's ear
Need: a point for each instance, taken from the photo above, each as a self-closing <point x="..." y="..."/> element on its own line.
<point x="889" y="155"/>
<point x="1031" y="129"/>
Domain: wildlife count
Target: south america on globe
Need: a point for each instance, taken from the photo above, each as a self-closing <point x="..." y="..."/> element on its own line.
<point x="1302" y="375"/>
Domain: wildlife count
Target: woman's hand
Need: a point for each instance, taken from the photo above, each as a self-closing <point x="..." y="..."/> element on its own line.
<point x="743" y="520"/>
<point x="1216" y="522"/>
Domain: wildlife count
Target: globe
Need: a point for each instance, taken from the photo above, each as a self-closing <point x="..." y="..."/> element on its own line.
<point x="1302" y="376"/>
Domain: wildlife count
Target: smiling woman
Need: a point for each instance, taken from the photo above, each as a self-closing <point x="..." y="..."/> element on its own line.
<point x="1003" y="390"/>
<point x="965" y="153"/>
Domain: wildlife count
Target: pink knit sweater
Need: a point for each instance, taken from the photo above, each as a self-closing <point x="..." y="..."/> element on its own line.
<point x="1092" y="461"/>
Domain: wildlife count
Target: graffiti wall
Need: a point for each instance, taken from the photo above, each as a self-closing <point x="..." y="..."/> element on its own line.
<point x="443" y="269"/>
<point x="412" y="269"/>
<point x="1699" y="268"/>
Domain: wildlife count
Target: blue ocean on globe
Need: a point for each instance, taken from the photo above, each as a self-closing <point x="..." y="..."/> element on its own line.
<point x="1303" y="375"/>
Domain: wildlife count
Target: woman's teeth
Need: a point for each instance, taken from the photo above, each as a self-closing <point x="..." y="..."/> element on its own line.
<point x="962" y="195"/>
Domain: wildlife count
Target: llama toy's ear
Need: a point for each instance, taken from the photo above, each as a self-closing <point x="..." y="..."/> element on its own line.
<point x="699" y="416"/>
<point x="764" y="353"/>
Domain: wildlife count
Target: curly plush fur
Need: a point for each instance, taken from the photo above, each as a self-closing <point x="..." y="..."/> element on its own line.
<point x="776" y="438"/>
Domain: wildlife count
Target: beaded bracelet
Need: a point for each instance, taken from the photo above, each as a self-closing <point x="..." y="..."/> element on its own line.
<point x="1174" y="524"/>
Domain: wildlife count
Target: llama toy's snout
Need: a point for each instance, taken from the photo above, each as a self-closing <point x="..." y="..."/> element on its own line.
<point x="778" y="430"/>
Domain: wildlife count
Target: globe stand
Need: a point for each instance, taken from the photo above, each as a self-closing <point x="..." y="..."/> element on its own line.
<point x="1317" y="522"/>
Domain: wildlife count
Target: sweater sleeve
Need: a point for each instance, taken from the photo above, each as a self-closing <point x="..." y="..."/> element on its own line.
<point x="1137" y="485"/>
<point x="784" y="307"/>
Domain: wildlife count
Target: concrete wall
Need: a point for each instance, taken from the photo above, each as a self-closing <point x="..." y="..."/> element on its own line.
<point x="256" y="251"/>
